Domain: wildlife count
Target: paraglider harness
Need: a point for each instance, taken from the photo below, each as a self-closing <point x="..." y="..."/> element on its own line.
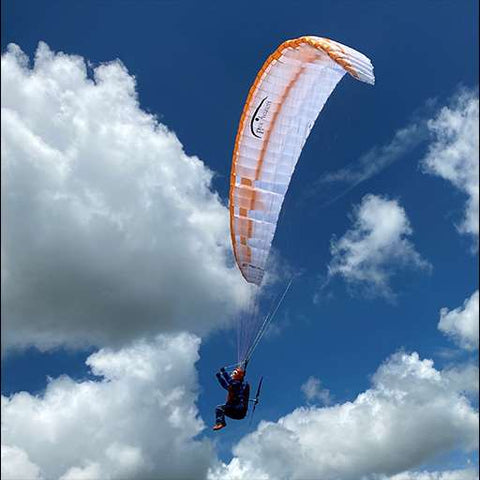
<point x="238" y="399"/>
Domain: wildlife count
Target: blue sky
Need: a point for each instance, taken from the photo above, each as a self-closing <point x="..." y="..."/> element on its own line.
<point x="193" y="65"/>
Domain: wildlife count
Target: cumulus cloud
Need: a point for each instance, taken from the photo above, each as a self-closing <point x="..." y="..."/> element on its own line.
<point x="465" y="474"/>
<point x="463" y="378"/>
<point x="410" y="414"/>
<point x="17" y="466"/>
<point x="139" y="420"/>
<point x="368" y="253"/>
<point x="461" y="324"/>
<point x="109" y="230"/>
<point x="313" y="391"/>
<point x="454" y="153"/>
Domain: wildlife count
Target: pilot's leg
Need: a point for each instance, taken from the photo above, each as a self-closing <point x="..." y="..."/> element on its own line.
<point x="219" y="417"/>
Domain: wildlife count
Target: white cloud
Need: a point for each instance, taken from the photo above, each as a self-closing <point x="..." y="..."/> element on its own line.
<point x="139" y="421"/>
<point x="368" y="253"/>
<point x="462" y="323"/>
<point x="454" y="153"/>
<point x="465" y="474"/>
<point x="17" y="466"/>
<point x="237" y="470"/>
<point x="463" y="378"/>
<point x="370" y="163"/>
<point x="378" y="158"/>
<point x="313" y="391"/>
<point x="410" y="414"/>
<point x="109" y="230"/>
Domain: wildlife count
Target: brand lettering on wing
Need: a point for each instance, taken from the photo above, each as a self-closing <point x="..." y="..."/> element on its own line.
<point x="259" y="118"/>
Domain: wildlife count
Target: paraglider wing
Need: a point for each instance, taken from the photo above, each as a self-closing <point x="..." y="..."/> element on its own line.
<point x="288" y="94"/>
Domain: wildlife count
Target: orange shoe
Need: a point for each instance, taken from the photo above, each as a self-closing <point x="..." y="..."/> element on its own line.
<point x="219" y="426"/>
